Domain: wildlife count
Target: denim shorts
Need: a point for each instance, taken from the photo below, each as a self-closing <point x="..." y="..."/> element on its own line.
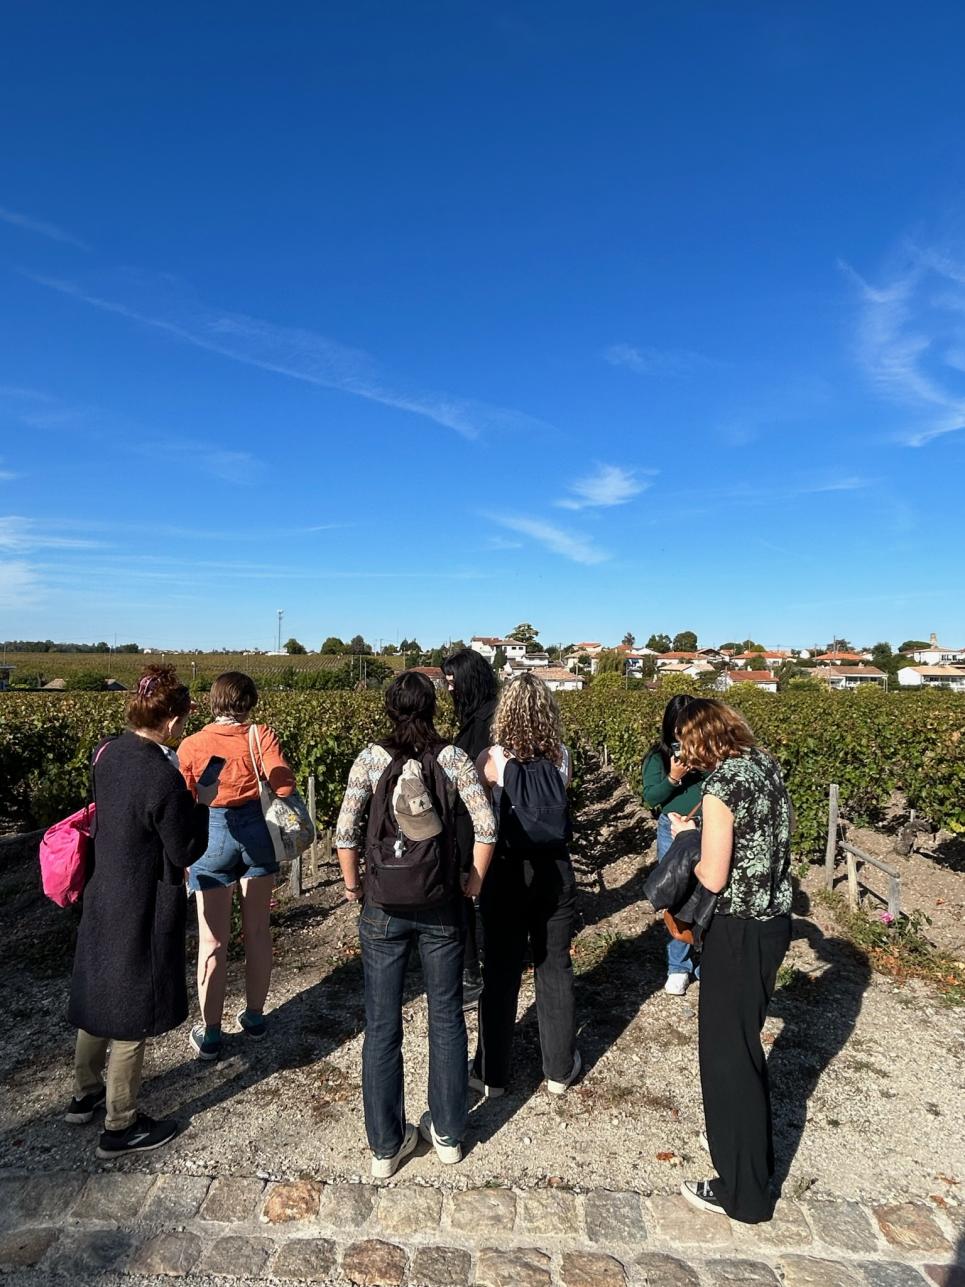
<point x="239" y="848"/>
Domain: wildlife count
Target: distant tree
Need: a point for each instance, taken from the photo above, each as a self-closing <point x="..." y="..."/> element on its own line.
<point x="553" y="652"/>
<point x="788" y="671"/>
<point x="499" y="661"/>
<point x="750" y="646"/>
<point x="128" y="647"/>
<point x="524" y="634"/>
<point x="659" y="643"/>
<point x="358" y="645"/>
<point x="102" y="647"/>
<point x="839" y="645"/>
<point x="456" y="645"/>
<point x="884" y="658"/>
<point x="413" y="659"/>
<point x="910" y="644"/>
<point x="610" y="662"/>
<point x="408" y="646"/>
<point x="647" y="668"/>
<point x="583" y="661"/>
<point x="295" y="649"/>
<point x="390" y="650"/>
<point x="333" y="647"/>
<point x="731" y="646"/>
<point x="436" y="657"/>
<point x="629" y="639"/>
<point x="685" y="641"/>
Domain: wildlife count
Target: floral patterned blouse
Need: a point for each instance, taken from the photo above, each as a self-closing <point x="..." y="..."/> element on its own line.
<point x="372" y="763"/>
<point x="759" y="884"/>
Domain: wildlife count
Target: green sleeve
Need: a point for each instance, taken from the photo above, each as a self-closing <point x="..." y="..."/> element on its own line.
<point x="657" y="787"/>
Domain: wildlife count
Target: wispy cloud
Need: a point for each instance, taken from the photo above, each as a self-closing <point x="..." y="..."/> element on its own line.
<point x="36" y="409"/>
<point x="19" y="584"/>
<point x="842" y="483"/>
<point x="6" y="475"/>
<point x="570" y="545"/>
<point x="503" y="543"/>
<point x="608" y="485"/>
<point x="909" y="339"/>
<point x="52" y="231"/>
<point x="295" y="352"/>
<point x="19" y="534"/>
<point x="646" y="360"/>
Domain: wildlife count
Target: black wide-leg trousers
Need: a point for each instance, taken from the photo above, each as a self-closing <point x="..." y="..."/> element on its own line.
<point x="738" y="969"/>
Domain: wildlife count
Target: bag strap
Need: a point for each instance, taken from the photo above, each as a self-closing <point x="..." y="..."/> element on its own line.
<point x="693" y="811"/>
<point x="254" y="740"/>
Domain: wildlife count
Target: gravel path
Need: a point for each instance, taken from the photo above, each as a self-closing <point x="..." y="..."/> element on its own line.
<point x="869" y="1099"/>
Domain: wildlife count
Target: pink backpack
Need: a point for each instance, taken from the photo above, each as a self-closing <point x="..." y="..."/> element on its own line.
<point x="64" y="852"/>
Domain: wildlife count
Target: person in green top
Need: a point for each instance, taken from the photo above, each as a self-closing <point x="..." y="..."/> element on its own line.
<point x="671" y="787"/>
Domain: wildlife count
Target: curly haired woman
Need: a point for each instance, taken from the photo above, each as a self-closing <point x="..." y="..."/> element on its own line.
<point x="529" y="898"/>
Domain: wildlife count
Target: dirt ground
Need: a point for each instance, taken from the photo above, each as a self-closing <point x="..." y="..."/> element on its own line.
<point x="867" y="1075"/>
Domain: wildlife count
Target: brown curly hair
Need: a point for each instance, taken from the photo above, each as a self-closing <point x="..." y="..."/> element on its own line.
<point x="710" y="732"/>
<point x="158" y="697"/>
<point x="527" y="721"/>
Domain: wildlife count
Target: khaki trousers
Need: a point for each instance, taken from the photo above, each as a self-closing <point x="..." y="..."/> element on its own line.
<point x="123" y="1079"/>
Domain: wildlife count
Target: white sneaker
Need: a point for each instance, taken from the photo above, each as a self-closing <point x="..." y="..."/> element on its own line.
<point x="477" y="1084"/>
<point x="561" y="1087"/>
<point x="448" y="1153"/>
<point x="677" y="983"/>
<point x="383" y="1168"/>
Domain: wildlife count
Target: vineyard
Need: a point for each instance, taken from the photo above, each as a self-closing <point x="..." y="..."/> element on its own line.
<point x="196" y="667"/>
<point x="875" y="745"/>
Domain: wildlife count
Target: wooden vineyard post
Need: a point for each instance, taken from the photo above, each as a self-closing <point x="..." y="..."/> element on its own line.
<point x="852" y="880"/>
<point x="295" y="877"/>
<point x="313" y="861"/>
<point x="831" y="851"/>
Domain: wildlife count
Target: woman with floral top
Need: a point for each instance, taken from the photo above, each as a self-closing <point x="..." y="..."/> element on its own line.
<point x="388" y="933"/>
<point x="745" y="857"/>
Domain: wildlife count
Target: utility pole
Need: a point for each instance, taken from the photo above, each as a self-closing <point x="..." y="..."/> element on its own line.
<point x="281" y="613"/>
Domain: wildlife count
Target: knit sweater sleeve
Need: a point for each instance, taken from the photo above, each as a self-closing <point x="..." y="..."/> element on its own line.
<point x="358" y="793"/>
<point x="461" y="771"/>
<point x="657" y="787"/>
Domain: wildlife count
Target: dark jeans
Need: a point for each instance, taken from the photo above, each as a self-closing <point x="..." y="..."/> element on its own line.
<point x="527" y="902"/>
<point x="737" y="975"/>
<point x="387" y="940"/>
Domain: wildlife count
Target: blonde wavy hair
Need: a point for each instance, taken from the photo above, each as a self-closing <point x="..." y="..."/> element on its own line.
<point x="710" y="732"/>
<point x="527" y="722"/>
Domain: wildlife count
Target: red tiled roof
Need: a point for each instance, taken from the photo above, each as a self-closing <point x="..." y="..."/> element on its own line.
<point x="556" y="672"/>
<point x="678" y="656"/>
<point x="751" y="677"/>
<point x="841" y="656"/>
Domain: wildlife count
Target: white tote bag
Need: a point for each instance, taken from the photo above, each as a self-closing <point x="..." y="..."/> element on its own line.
<point x="287" y="818"/>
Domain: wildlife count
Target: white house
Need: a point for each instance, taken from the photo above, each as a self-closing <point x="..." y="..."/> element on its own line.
<point x="488" y="645"/>
<point x="591" y="650"/>
<point x="935" y="654"/>
<point x="849" y="676"/>
<point x="773" y="657"/>
<point x="932" y="677"/>
<point x="762" y="679"/>
<point x="561" y="680"/>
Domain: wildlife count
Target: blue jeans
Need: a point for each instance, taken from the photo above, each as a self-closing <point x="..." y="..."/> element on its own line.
<point x="239" y="848"/>
<point x="387" y="939"/>
<point x="678" y="954"/>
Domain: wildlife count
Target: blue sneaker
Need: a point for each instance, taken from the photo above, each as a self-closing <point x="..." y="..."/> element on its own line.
<point x="253" y="1025"/>
<point x="204" y="1046"/>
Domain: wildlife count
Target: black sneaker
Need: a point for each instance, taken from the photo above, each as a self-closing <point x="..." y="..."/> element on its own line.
<point x="141" y="1136"/>
<point x="700" y="1194"/>
<point x="472" y="986"/>
<point x="82" y="1110"/>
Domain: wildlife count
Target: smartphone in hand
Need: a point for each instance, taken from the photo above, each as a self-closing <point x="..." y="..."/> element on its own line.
<point x="212" y="771"/>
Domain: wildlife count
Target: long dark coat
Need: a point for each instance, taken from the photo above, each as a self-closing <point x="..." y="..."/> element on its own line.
<point x="129" y="967"/>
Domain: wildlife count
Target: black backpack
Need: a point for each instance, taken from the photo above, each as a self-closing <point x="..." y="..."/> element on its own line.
<point x="534" y="812"/>
<point x="400" y="872"/>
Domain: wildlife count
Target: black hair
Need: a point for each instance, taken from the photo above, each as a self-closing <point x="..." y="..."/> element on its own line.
<point x="474" y="682"/>
<point x="410" y="703"/>
<point x="672" y="714"/>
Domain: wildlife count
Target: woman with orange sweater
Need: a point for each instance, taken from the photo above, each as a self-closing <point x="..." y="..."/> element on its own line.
<point x="240" y="851"/>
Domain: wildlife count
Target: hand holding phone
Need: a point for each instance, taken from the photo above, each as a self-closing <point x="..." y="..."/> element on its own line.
<point x="207" y="785"/>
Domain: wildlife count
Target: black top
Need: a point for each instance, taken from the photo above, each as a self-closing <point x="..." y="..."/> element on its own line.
<point x="129" y="979"/>
<point x="473" y="738"/>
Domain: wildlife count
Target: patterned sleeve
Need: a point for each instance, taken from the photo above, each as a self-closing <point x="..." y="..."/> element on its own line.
<point x="461" y="771"/>
<point x="358" y="793"/>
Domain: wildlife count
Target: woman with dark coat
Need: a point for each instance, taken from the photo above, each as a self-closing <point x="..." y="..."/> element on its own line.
<point x="472" y="683"/>
<point x="129" y="967"/>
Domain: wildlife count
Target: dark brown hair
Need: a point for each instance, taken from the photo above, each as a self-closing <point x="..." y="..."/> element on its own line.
<point x="710" y="732"/>
<point x="158" y="697"/>
<point x="235" y="694"/>
<point x="410" y="703"/>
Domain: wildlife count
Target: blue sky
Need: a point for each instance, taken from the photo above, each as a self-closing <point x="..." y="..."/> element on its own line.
<point x="429" y="319"/>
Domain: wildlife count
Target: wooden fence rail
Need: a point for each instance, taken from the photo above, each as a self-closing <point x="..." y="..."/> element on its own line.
<point x="854" y="856"/>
